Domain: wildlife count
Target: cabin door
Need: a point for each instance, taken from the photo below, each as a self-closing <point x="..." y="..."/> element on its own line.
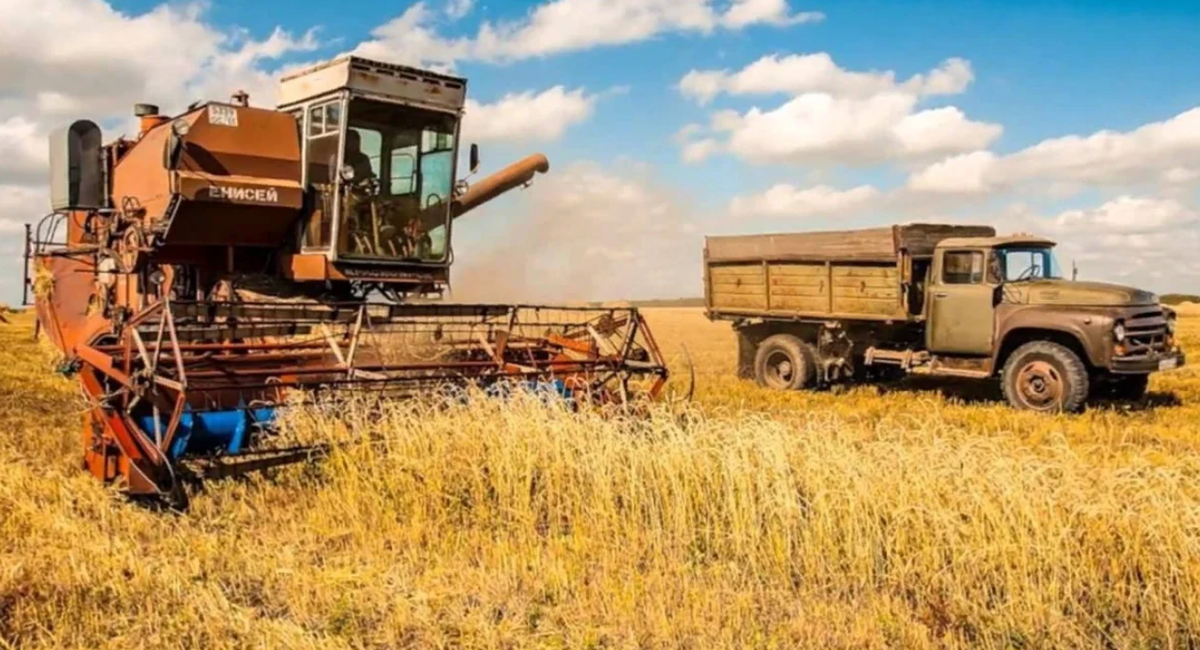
<point x="961" y="316"/>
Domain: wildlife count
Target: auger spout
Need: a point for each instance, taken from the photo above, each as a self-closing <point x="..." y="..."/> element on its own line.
<point x="511" y="177"/>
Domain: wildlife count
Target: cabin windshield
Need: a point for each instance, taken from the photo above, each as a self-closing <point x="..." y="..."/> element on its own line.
<point x="1018" y="263"/>
<point x="397" y="176"/>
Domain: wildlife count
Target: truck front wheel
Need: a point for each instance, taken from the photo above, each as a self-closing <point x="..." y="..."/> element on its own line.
<point x="1046" y="377"/>
<point x="785" y="362"/>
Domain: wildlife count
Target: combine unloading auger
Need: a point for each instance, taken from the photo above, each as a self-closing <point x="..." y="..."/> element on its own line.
<point x="199" y="277"/>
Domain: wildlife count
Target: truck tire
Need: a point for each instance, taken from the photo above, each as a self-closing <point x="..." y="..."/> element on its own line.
<point x="784" y="362"/>
<point x="1046" y="377"/>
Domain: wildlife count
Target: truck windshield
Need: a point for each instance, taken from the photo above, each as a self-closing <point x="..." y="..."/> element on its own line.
<point x="397" y="177"/>
<point x="1026" y="263"/>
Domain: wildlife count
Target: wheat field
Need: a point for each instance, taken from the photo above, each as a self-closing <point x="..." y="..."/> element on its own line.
<point x="922" y="515"/>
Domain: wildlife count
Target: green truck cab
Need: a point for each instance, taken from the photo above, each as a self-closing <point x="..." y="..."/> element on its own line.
<point x="813" y="309"/>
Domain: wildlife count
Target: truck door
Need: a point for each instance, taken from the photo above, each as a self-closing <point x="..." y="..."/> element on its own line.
<point x="961" y="304"/>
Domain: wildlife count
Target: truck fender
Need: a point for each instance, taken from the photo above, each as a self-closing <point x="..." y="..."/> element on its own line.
<point x="1077" y="330"/>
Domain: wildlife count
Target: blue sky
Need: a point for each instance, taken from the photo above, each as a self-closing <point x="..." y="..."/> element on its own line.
<point x="1038" y="72"/>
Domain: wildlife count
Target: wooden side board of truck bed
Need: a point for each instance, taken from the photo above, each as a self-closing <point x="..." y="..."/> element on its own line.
<point x="856" y="274"/>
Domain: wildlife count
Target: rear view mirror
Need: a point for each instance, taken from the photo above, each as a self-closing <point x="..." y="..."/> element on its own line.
<point x="474" y="158"/>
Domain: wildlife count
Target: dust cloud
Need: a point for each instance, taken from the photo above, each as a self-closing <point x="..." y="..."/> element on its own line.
<point x="585" y="233"/>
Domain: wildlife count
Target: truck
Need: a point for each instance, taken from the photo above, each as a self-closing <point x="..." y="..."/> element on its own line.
<point x="815" y="309"/>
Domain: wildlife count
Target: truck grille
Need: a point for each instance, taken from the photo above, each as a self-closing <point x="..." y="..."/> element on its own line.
<point x="1146" y="332"/>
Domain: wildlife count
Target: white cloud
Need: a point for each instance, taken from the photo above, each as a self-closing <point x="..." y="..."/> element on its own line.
<point x="527" y="116"/>
<point x="24" y="149"/>
<point x="560" y="26"/>
<point x="703" y="85"/>
<point x="743" y="13"/>
<point x="1166" y="151"/>
<point x="1127" y="215"/>
<point x="962" y="174"/>
<point x="456" y="9"/>
<point x="1108" y="156"/>
<point x="61" y="55"/>
<point x="834" y="116"/>
<point x="242" y="68"/>
<point x="818" y="128"/>
<point x="804" y="73"/>
<point x="409" y="39"/>
<point x="1181" y="175"/>
<point x="20" y="204"/>
<point x="686" y="132"/>
<point x="515" y="116"/>
<point x="699" y="150"/>
<point x="784" y="200"/>
<point x="950" y="78"/>
<point x="941" y="130"/>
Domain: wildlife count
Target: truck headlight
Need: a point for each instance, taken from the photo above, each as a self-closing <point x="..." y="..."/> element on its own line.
<point x="1171" y="323"/>
<point x="1119" y="331"/>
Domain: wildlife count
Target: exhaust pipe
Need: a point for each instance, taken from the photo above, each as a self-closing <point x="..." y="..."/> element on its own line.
<point x="148" y="117"/>
<point x="511" y="177"/>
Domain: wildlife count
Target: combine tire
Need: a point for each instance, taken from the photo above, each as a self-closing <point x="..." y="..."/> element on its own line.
<point x="1045" y="377"/>
<point x="785" y="362"/>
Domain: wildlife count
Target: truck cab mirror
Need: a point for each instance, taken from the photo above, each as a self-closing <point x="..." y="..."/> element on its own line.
<point x="473" y="165"/>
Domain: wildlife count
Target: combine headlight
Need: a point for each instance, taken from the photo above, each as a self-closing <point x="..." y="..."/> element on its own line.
<point x="1119" y="331"/>
<point x="180" y="127"/>
<point x="347" y="173"/>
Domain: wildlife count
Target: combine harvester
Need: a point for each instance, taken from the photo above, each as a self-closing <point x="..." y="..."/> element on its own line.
<point x="198" y="275"/>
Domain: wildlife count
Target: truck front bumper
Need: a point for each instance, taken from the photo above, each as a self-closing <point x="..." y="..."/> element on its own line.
<point x="1146" y="363"/>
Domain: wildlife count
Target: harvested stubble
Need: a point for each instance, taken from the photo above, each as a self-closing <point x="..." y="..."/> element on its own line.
<point x="750" y="519"/>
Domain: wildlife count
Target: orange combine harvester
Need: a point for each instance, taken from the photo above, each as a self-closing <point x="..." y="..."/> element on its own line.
<point x="196" y="275"/>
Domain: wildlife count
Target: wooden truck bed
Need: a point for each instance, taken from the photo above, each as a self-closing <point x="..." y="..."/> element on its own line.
<point x="851" y="274"/>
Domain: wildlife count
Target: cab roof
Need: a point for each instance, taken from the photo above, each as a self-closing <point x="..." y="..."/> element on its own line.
<point x="995" y="242"/>
<point x="366" y="77"/>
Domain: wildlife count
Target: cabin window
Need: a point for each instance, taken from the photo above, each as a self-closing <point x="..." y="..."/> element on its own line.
<point x="324" y="119"/>
<point x="1018" y="263"/>
<point x="962" y="267"/>
<point x="321" y="157"/>
<point x="396" y="205"/>
<point x="403" y="174"/>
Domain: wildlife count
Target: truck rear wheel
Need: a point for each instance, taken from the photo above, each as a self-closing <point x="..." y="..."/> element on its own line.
<point x="785" y="362"/>
<point x="1046" y="377"/>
